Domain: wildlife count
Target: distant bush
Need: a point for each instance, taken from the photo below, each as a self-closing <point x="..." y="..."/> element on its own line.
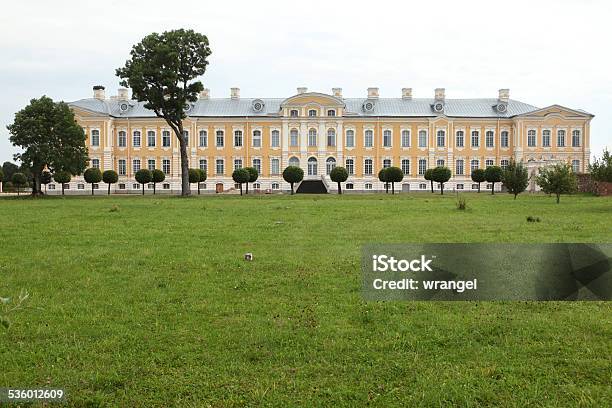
<point x="531" y="218"/>
<point x="601" y="170"/>
<point x="19" y="180"/>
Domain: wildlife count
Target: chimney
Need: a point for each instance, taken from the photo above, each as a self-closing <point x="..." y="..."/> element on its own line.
<point x="504" y="95"/>
<point x="440" y="94"/>
<point x="235" y="93"/>
<point x="204" y="94"/>
<point x="406" y="93"/>
<point x="99" y="92"/>
<point x="302" y="90"/>
<point x="122" y="94"/>
<point x="337" y="92"/>
<point x="372" y="93"/>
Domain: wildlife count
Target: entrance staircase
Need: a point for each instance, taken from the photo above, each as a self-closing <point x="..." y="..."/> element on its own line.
<point x="312" y="187"/>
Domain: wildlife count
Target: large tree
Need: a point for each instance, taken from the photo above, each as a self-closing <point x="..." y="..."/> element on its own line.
<point x="557" y="179"/>
<point x="161" y="72"/>
<point x="50" y="137"/>
<point x="515" y="178"/>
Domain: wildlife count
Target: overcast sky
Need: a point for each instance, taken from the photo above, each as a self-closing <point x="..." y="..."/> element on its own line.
<point x="545" y="51"/>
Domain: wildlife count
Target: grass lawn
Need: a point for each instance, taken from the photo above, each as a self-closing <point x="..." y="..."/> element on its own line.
<point x="153" y="304"/>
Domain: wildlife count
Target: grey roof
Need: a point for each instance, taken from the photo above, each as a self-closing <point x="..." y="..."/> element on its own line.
<point x="386" y="107"/>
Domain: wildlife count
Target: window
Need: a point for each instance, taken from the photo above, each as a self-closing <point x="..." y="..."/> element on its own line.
<point x="440" y="138"/>
<point x="135" y="165"/>
<point x="575" y="138"/>
<point x="440" y="163"/>
<point x="204" y="165"/>
<point x="489" y="186"/>
<point x="151" y="138"/>
<point x="368" y="139"/>
<point x="312" y="113"/>
<point x="561" y="138"/>
<point x="331" y="112"/>
<point x="474" y="164"/>
<point x="350" y="166"/>
<point x="203" y="138"/>
<point x="459" y="138"/>
<point x="237" y="164"/>
<point x="350" y="138"/>
<point x="186" y="136"/>
<point x="405" y="138"/>
<point x="136" y="138"/>
<point x="504" y="163"/>
<point x="166" y="186"/>
<point x="489" y="163"/>
<point x="275" y="138"/>
<point x="422" y="186"/>
<point x="406" y="166"/>
<point x="81" y="186"/>
<point x="459" y="168"/>
<point x="330" y="163"/>
<point x="331" y="137"/>
<point x="275" y="186"/>
<point x="367" y="167"/>
<point x="459" y="186"/>
<point x="95" y="137"/>
<point x="386" y="163"/>
<point x="294" y="140"/>
<point x="575" y="166"/>
<point x="504" y="139"/>
<point x="475" y="138"/>
<point x="257" y="138"/>
<point x="135" y="186"/>
<point x="387" y="138"/>
<point x="422" y="166"/>
<point x="474" y="186"/>
<point x="531" y="138"/>
<point x="349" y="186"/>
<point x="422" y="138"/>
<point x="121" y="167"/>
<point x="489" y="138"/>
<point x="219" y="167"/>
<point x="293" y="113"/>
<point x="312" y="137"/>
<point x="151" y="164"/>
<point x="312" y="166"/>
<point x="51" y="186"/>
<point x="166" y="138"/>
<point x="546" y="138"/>
<point x="275" y="166"/>
<point x="95" y="163"/>
<point x="166" y="166"/>
<point x="238" y="138"/>
<point x="294" y="161"/>
<point x="220" y="140"/>
<point x="256" y="186"/>
<point x="257" y="165"/>
<point x="367" y="186"/>
<point x="121" y="138"/>
<point x="121" y="186"/>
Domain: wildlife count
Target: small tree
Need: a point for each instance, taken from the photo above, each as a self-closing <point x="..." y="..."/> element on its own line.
<point x="92" y="176"/>
<point x="394" y="175"/>
<point x="339" y="175"/>
<point x="157" y="176"/>
<point x="19" y="180"/>
<point x="493" y="174"/>
<point x="194" y="177"/>
<point x="110" y="177"/>
<point x="143" y="176"/>
<point x="429" y="177"/>
<point x="46" y="178"/>
<point x="202" y="179"/>
<point x="62" y="177"/>
<point x="253" y="175"/>
<point x="241" y="176"/>
<point x="515" y="177"/>
<point x="382" y="176"/>
<point x="478" y="176"/>
<point x="441" y="174"/>
<point x="557" y="179"/>
<point x="601" y="170"/>
<point x="292" y="175"/>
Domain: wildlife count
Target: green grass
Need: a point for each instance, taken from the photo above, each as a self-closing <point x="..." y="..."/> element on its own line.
<point x="153" y="304"/>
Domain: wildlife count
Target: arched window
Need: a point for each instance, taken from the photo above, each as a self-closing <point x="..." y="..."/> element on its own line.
<point x="312" y="166"/>
<point x="331" y="112"/>
<point x="474" y="164"/>
<point x="122" y="138"/>
<point x="531" y="138"/>
<point x="330" y="163"/>
<point x="386" y="163"/>
<point x="440" y="138"/>
<point x="293" y="113"/>
<point x="294" y="161"/>
<point x="312" y="137"/>
<point x="331" y="137"/>
<point x="312" y="113"/>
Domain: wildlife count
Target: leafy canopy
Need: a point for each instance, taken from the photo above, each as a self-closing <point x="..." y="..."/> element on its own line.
<point x="253" y="174"/>
<point x="62" y="177"/>
<point x="428" y="174"/>
<point x="394" y="174"/>
<point x="293" y="174"/>
<point x="478" y="176"/>
<point x="157" y="176"/>
<point x="557" y="179"/>
<point x="339" y="174"/>
<point x="515" y="178"/>
<point x="194" y="175"/>
<point x="92" y="175"/>
<point x="441" y="174"/>
<point x="110" y="176"/>
<point x="241" y="176"/>
<point x="493" y="174"/>
<point x="143" y="176"/>
<point x="601" y="169"/>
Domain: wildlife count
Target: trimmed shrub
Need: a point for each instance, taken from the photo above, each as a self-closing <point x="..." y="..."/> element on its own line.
<point x="92" y="176"/>
<point x="241" y="176"/>
<point x="493" y="174"/>
<point x="19" y="180"/>
<point x="429" y="177"/>
<point x="143" y="176"/>
<point x="253" y="175"/>
<point x="292" y="175"/>
<point x="157" y="176"/>
<point x="478" y="176"/>
<point x="394" y="175"/>
<point x="110" y="177"/>
<point x="441" y="175"/>
<point x="339" y="175"/>
<point x="62" y="177"/>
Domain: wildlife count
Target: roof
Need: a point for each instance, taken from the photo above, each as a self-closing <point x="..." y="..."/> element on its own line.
<point x="384" y="107"/>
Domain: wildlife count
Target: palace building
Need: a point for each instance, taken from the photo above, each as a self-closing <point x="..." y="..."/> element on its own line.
<point x="318" y="131"/>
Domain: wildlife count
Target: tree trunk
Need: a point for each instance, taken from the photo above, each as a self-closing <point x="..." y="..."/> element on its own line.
<point x="92" y="191"/>
<point x="154" y="188"/>
<point x="441" y="188"/>
<point x="185" y="186"/>
<point x="479" y="187"/>
<point x="247" y="187"/>
<point x="386" y="188"/>
<point x="198" y="188"/>
<point x="393" y="188"/>
<point x="492" y="188"/>
<point x="431" y="182"/>
<point x="63" y="185"/>
<point x="558" y="196"/>
<point x="109" y="184"/>
<point x="36" y="175"/>
<point x="515" y="196"/>
<point x="240" y="188"/>
<point x="291" y="188"/>
<point x="142" y="188"/>
<point x="339" y="188"/>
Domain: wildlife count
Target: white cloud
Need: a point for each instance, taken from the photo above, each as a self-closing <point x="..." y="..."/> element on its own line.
<point x="546" y="51"/>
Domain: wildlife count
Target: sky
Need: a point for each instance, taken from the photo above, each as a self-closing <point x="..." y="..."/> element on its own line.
<point x="546" y="52"/>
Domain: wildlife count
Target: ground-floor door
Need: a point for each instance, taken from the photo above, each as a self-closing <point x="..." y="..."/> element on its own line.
<point x="219" y="187"/>
<point x="405" y="188"/>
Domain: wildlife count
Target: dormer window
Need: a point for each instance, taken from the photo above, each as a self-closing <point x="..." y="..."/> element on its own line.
<point x="331" y="112"/>
<point x="312" y="113"/>
<point x="293" y="113"/>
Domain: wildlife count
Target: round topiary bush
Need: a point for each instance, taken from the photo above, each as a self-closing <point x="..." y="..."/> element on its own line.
<point x="292" y="175"/>
<point x="92" y="176"/>
<point x="110" y="177"/>
<point x="394" y="175"/>
<point x="62" y="177"/>
<point x="241" y="176"/>
<point x="143" y="176"/>
<point x="338" y="175"/>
